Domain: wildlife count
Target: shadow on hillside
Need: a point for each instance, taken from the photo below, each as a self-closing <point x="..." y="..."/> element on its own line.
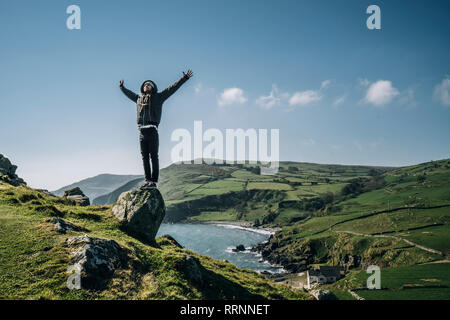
<point x="210" y="284"/>
<point x="138" y="236"/>
<point x="216" y="286"/>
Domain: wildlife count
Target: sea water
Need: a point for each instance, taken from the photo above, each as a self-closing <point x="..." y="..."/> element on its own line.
<point x="217" y="241"/>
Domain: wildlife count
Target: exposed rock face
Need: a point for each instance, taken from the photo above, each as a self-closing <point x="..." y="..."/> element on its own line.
<point x="141" y="212"/>
<point x="95" y="260"/>
<point x="8" y="172"/>
<point x="271" y="252"/>
<point x="80" y="200"/>
<point x="77" y="195"/>
<point x="73" y="192"/>
<point x="62" y="226"/>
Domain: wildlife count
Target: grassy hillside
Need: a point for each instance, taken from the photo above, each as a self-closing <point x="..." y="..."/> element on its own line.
<point x="238" y="192"/>
<point x="398" y="219"/>
<point x="418" y="282"/>
<point x="353" y="216"/>
<point x="34" y="258"/>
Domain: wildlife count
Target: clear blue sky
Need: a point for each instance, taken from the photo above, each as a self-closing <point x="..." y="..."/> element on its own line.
<point x="338" y="92"/>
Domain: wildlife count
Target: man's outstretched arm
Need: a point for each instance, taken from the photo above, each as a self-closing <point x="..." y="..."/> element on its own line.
<point x="166" y="93"/>
<point x="130" y="94"/>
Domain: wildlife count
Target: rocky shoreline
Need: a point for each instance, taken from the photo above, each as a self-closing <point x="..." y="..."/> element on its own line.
<point x="267" y="248"/>
<point x="269" y="253"/>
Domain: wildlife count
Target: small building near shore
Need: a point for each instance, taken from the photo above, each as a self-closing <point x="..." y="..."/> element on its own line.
<point x="323" y="275"/>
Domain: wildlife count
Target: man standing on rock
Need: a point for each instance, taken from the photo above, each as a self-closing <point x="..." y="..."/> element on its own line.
<point x="149" y="107"/>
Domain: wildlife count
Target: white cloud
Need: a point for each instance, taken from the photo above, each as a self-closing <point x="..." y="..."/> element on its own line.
<point x="441" y="92"/>
<point x="303" y="98"/>
<point x="380" y="93"/>
<point x="201" y="89"/>
<point x="364" y="82"/>
<point x="340" y="100"/>
<point x="325" y="84"/>
<point x="231" y="96"/>
<point x="270" y="101"/>
<point x="299" y="98"/>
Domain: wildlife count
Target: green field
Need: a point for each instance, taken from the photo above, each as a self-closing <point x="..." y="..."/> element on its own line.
<point x="183" y="183"/>
<point x="418" y="282"/>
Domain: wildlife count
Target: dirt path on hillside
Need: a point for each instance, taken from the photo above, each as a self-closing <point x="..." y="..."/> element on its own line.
<point x="198" y="187"/>
<point x="355" y="295"/>
<point x="381" y="212"/>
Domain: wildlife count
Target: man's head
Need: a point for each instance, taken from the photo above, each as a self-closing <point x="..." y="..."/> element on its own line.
<point x="148" y="86"/>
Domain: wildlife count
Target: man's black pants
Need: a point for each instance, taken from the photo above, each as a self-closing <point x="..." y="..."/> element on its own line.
<point x="149" y="141"/>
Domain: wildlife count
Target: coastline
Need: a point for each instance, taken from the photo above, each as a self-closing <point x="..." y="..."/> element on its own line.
<point x="248" y="226"/>
<point x="244" y="225"/>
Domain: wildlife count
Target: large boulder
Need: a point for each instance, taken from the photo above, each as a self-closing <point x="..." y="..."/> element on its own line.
<point x="79" y="200"/>
<point x="94" y="261"/>
<point x="8" y="172"/>
<point x="77" y="196"/>
<point x="140" y="212"/>
<point x="73" y="192"/>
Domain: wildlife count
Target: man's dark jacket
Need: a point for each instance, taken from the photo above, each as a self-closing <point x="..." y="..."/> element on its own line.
<point x="150" y="112"/>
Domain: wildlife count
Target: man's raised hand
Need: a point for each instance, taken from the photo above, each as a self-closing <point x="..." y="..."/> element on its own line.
<point x="121" y="83"/>
<point x="188" y="74"/>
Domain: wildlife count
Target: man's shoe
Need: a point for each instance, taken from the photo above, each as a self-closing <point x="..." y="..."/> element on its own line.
<point x="146" y="185"/>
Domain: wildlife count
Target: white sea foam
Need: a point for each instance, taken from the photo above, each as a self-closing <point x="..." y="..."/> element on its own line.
<point x="232" y="226"/>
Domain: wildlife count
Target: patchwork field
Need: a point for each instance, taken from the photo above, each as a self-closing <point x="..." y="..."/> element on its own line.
<point x="418" y="282"/>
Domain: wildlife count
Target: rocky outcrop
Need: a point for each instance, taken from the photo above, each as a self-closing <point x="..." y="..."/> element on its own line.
<point x="62" y="226"/>
<point x="8" y="172"/>
<point x="239" y="248"/>
<point x="77" y="196"/>
<point x="73" y="192"/>
<point x="94" y="261"/>
<point x="273" y="252"/>
<point x="140" y="212"/>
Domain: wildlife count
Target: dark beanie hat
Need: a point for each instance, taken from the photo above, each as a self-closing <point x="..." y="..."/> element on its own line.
<point x="155" y="88"/>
